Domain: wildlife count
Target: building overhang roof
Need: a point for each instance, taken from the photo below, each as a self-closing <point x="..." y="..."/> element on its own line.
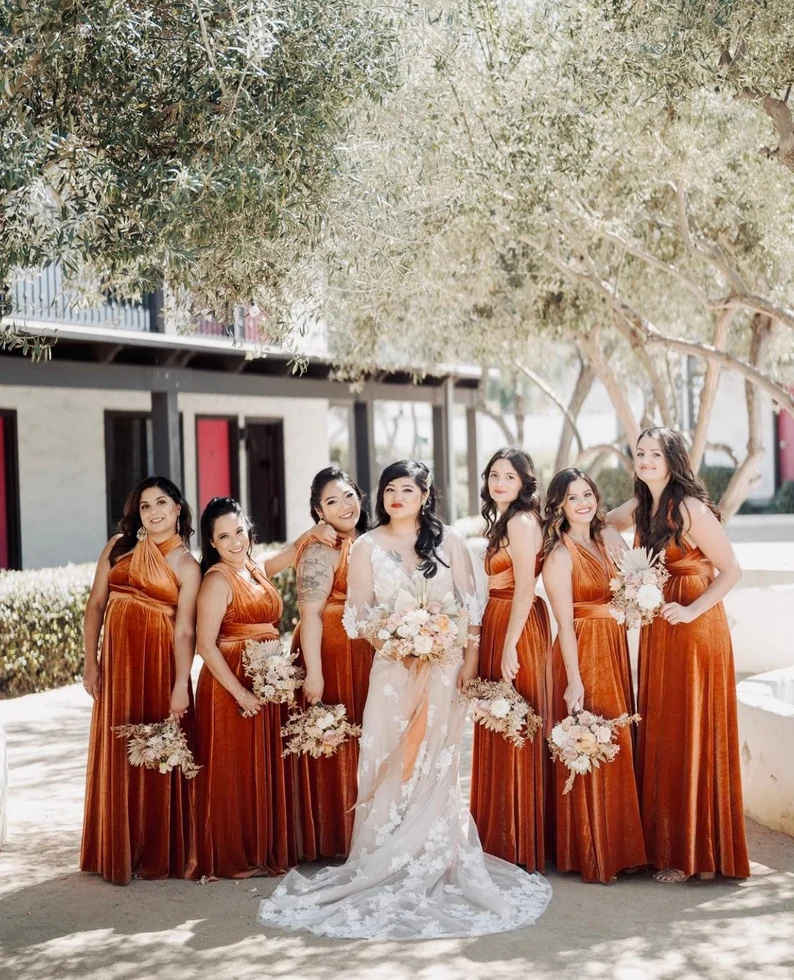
<point x="88" y="356"/>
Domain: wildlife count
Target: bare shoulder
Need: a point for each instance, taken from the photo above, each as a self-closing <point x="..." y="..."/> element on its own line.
<point x="105" y="554"/>
<point x="524" y="523"/>
<point x="693" y="509"/>
<point x="214" y="585"/>
<point x="558" y="558"/>
<point x="186" y="567"/>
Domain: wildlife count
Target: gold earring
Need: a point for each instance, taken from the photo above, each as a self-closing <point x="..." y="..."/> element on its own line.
<point x="177" y="523"/>
<point x="142" y="533"/>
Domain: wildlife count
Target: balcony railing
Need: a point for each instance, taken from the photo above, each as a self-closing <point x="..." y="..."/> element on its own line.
<point x="43" y="297"/>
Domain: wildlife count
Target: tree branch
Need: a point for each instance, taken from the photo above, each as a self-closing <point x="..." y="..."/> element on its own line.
<point x="777" y="392"/>
<point x="584" y="383"/>
<point x="709" y="392"/>
<point x="500" y="421"/>
<point x="591" y="351"/>
<point x="550" y="393"/>
<point x="780" y="114"/>
<point x="606" y="447"/>
<point x="746" y="475"/>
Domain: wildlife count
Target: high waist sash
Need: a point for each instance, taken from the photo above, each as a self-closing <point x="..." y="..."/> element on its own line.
<point x="592" y="610"/>
<point x="248" y="631"/>
<point x="138" y="595"/>
<point x="690" y="566"/>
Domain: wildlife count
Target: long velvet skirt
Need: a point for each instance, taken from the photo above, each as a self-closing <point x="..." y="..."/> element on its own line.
<point x="507" y="785"/>
<point x="245" y="826"/>
<point x="137" y="821"/>
<point x="688" y="765"/>
<point x="598" y="830"/>
<point x="326" y="789"/>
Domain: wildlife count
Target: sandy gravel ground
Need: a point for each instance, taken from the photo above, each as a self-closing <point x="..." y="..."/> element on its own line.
<point x="58" y="923"/>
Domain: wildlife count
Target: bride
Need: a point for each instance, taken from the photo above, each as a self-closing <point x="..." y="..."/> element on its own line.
<point x="416" y="869"/>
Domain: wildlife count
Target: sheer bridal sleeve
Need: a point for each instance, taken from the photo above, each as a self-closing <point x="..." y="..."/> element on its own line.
<point x="360" y="588"/>
<point x="463" y="579"/>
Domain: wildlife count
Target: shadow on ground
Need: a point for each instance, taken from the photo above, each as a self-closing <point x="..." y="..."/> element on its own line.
<point x="58" y="923"/>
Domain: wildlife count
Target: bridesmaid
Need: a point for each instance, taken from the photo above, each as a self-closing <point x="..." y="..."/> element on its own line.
<point x="337" y="668"/>
<point x="244" y="827"/>
<point x="507" y="800"/>
<point x="138" y="821"/>
<point x="597" y="824"/>
<point x="688" y="769"/>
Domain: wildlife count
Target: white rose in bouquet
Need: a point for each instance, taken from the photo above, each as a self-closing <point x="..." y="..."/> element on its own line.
<point x="649" y="597"/>
<point x="423" y="644"/>
<point x="500" y="708"/>
<point x="325" y="721"/>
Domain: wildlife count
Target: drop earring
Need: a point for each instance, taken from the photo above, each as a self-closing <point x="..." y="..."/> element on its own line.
<point x="142" y="534"/>
<point x="177" y="523"/>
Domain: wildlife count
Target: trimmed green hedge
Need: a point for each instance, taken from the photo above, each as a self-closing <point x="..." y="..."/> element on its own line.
<point x="41" y="611"/>
<point x="41" y="623"/>
<point x="616" y="487"/>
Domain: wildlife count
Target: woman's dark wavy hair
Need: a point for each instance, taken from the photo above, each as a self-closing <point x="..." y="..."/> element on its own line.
<point x="321" y="481"/>
<point x="527" y="501"/>
<point x="131" y="523"/>
<point x="431" y="530"/>
<point x="555" y="523"/>
<point x="655" y="530"/>
<point x="219" y="507"/>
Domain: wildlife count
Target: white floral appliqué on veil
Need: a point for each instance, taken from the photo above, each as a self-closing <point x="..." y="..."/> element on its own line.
<point x="416" y="868"/>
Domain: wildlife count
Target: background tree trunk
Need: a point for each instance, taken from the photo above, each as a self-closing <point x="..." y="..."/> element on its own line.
<point x="746" y="475"/>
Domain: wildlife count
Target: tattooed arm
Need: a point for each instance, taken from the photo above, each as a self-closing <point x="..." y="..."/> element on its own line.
<point x="315" y="575"/>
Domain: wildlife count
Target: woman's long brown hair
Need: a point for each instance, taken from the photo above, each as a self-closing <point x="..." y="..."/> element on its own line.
<point x="527" y="501"/>
<point x="654" y="530"/>
<point x="555" y="523"/>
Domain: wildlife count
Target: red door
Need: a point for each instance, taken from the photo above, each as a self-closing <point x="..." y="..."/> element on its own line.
<point x="4" y="563"/>
<point x="216" y="472"/>
<point x="785" y="445"/>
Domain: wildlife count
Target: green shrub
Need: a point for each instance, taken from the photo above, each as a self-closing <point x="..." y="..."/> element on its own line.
<point x="616" y="487"/>
<point x="41" y="645"/>
<point x="41" y="612"/>
<point x="783" y="501"/>
<point x="716" y="479"/>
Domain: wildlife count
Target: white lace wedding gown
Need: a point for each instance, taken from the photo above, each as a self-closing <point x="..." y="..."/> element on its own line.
<point x="416" y="868"/>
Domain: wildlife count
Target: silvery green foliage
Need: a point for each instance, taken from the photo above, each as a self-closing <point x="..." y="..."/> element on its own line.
<point x="191" y="142"/>
<point x="497" y="196"/>
<point x="670" y="49"/>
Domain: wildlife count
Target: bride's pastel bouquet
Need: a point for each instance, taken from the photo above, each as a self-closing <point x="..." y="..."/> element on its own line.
<point x="418" y="629"/>
<point x="582" y="741"/>
<point x="319" y="730"/>
<point x="272" y="671"/>
<point x="638" y="587"/>
<point x="161" y="745"/>
<point x="497" y="706"/>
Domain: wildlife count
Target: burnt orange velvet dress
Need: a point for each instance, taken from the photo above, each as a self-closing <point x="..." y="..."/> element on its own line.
<point x="244" y="827"/>
<point x="137" y="821"/>
<point x="507" y="783"/>
<point x="688" y="766"/>
<point x="326" y="789"/>
<point x="598" y="826"/>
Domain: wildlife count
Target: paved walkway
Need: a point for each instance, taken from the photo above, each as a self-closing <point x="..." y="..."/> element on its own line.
<point x="56" y="923"/>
